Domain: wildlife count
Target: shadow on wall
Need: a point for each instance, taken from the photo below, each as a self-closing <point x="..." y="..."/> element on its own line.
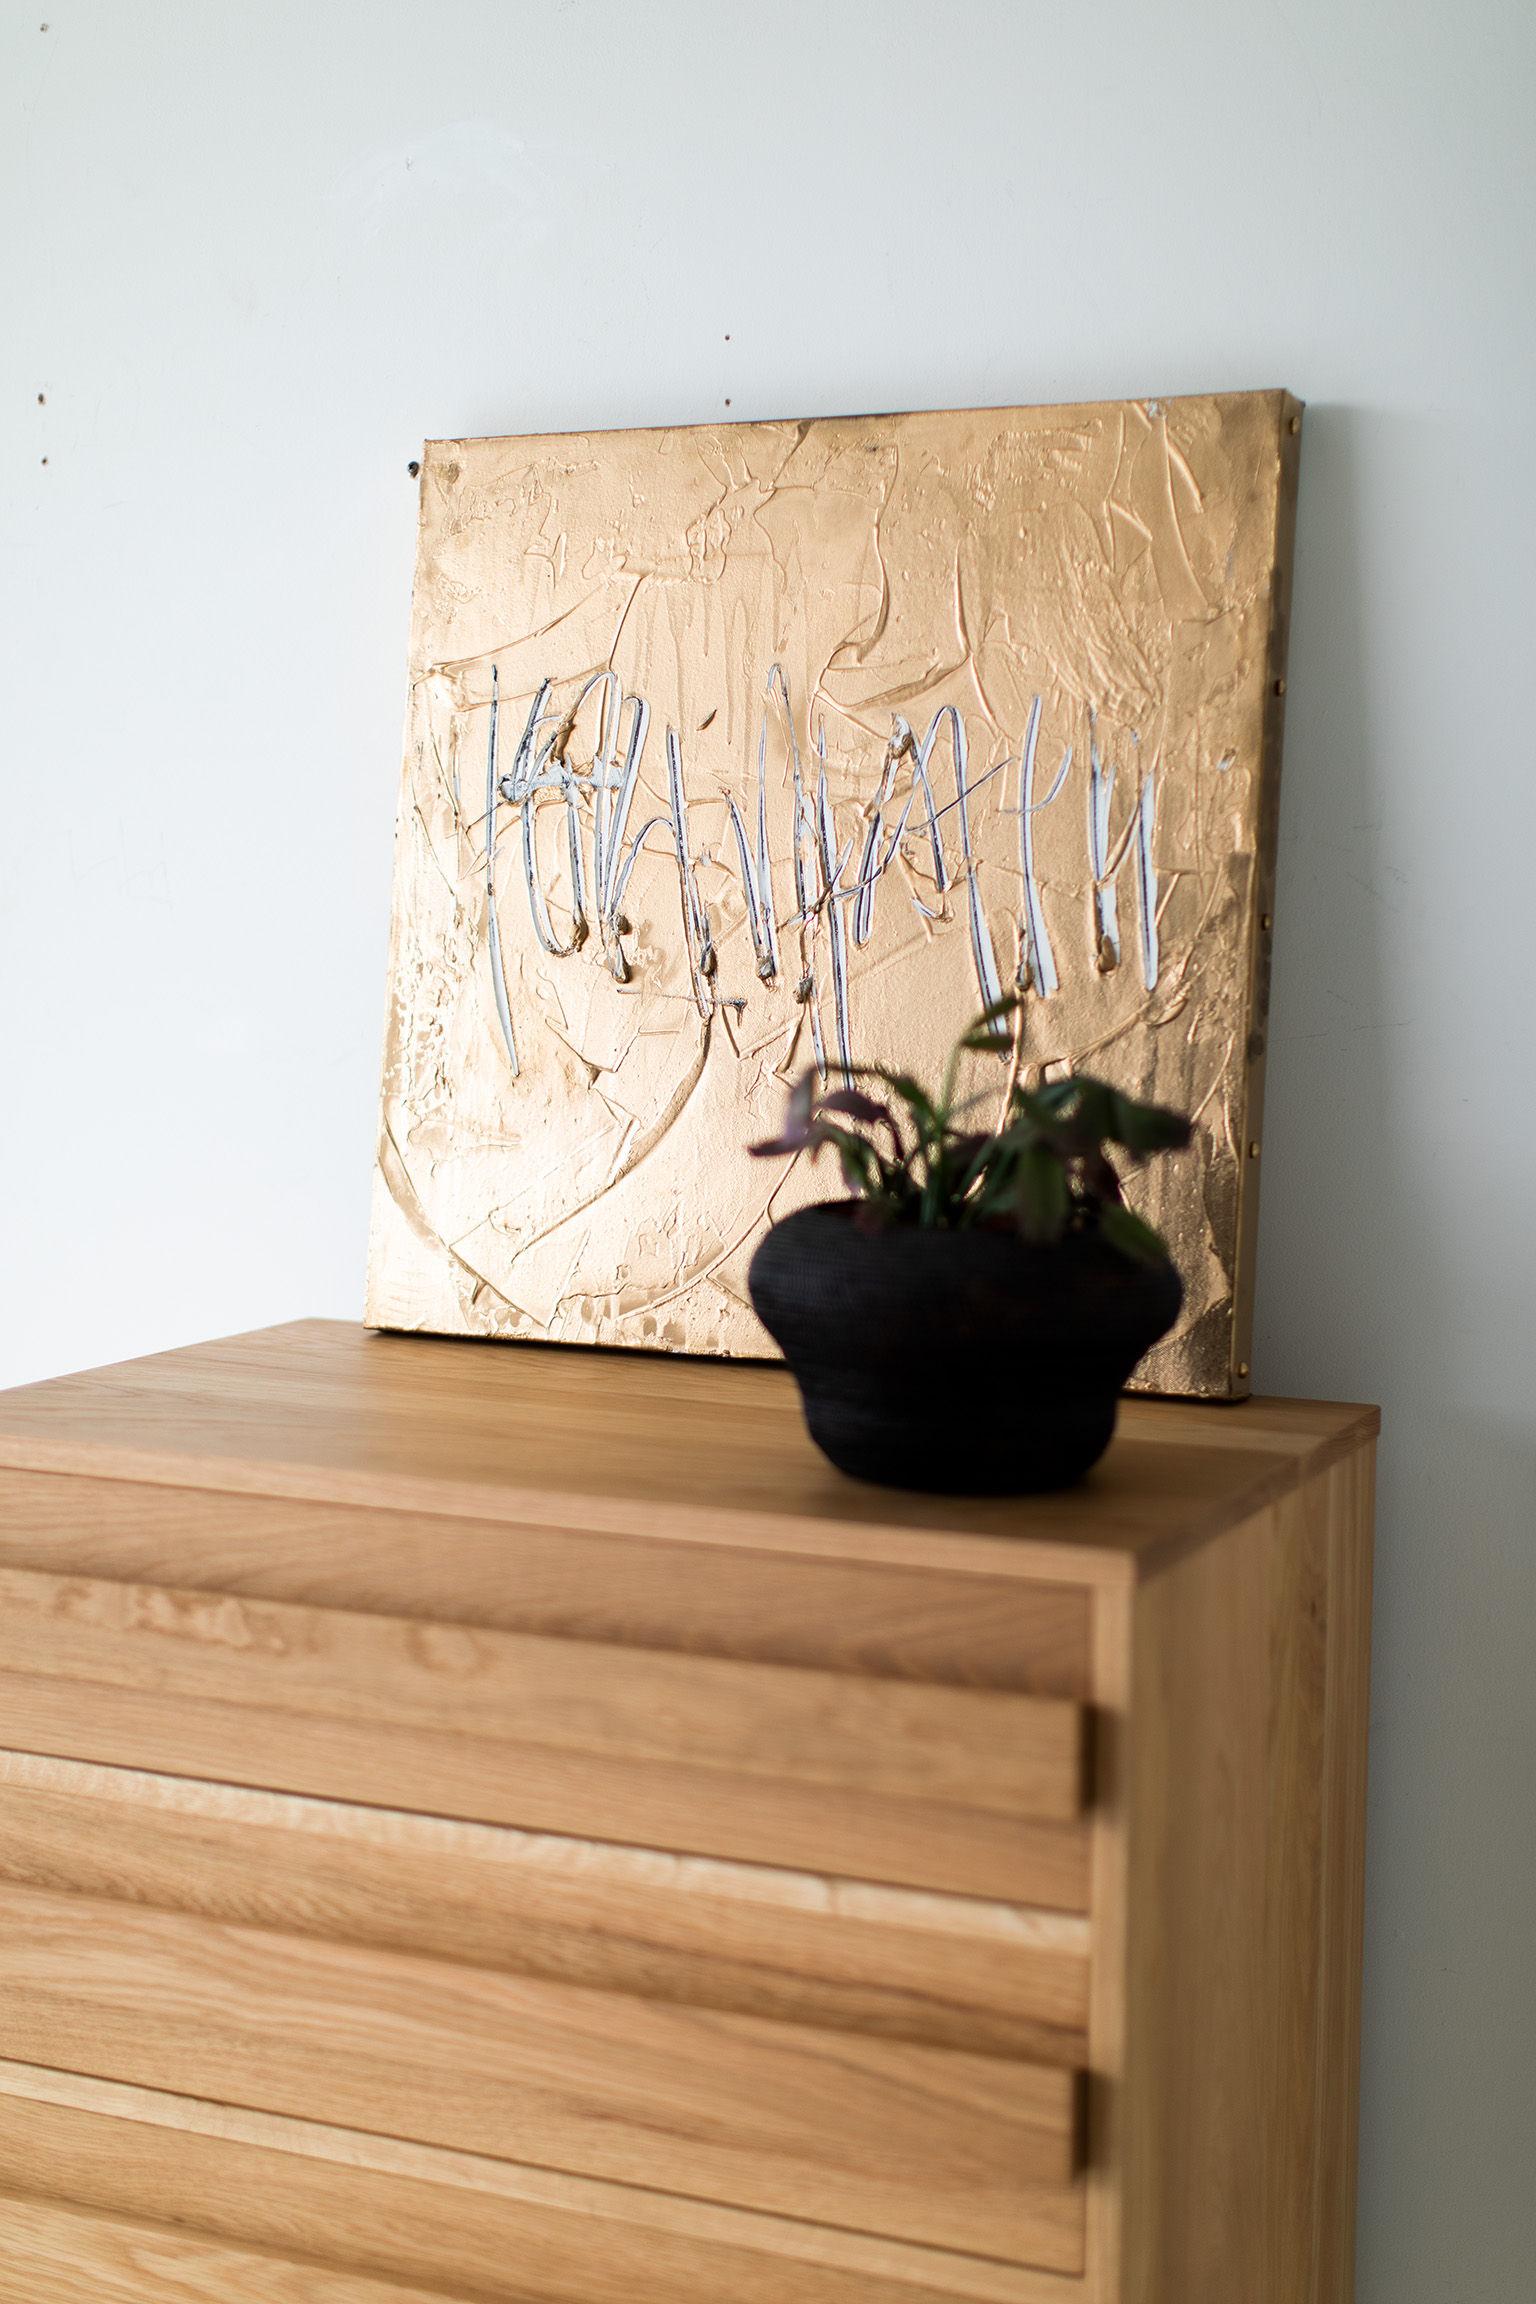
<point x="1329" y="1200"/>
<point x="1360" y="1295"/>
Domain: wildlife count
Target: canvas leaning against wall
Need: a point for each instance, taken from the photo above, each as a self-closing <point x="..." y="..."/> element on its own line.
<point x="737" y="748"/>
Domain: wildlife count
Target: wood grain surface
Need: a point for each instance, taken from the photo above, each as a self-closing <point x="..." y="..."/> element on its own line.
<point x="450" y="2220"/>
<point x="1350" y="1518"/>
<point x="489" y="1825"/>
<point x="977" y="1790"/>
<point x="841" y="1954"/>
<point x="934" y="2145"/>
<point x="645" y="1708"/>
<point x="626" y="1444"/>
<point x="772" y="1607"/>
<point x="54" y="2255"/>
<point x="1246" y="1830"/>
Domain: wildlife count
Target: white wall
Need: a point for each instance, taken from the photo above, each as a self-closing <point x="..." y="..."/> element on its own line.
<point x="252" y="253"/>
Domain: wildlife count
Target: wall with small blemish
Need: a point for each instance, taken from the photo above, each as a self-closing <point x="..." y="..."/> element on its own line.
<point x="252" y="254"/>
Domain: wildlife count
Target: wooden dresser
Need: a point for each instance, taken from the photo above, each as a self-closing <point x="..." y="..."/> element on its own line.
<point x="490" y="1823"/>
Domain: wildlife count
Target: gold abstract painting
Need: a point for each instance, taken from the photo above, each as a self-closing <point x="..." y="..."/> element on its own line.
<point x="736" y="749"/>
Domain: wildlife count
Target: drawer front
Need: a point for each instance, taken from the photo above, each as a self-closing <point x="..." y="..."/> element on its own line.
<point x="127" y="2185"/>
<point x="873" y="2061"/>
<point x="842" y="1955"/>
<point x="958" y="1629"/>
<point x="50" y="2254"/>
<point x="975" y="1790"/>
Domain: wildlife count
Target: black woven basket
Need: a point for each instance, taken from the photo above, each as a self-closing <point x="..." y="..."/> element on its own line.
<point x="963" y="1362"/>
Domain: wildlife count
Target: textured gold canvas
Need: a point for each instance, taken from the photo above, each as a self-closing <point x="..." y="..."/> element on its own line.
<point x="742" y="747"/>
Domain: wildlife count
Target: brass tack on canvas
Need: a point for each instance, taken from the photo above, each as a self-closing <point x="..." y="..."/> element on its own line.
<point x="1295" y="423"/>
<point x="414" y="469"/>
<point x="1242" y="1367"/>
<point x="1253" y="1151"/>
<point x="1266" y="920"/>
<point x="1279" y="687"/>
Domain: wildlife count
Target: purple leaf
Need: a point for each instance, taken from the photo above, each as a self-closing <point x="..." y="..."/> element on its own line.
<point x="857" y="1105"/>
<point x="796" y="1132"/>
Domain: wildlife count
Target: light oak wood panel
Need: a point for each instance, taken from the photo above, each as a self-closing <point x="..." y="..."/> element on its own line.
<point x="624" y="1444"/>
<point x="1106" y="2108"/>
<point x="54" y="2255"/>
<point x="964" y="1789"/>
<point x="1350" y="1518"/>
<point x="767" y="1607"/>
<point x="896" y="1964"/>
<point x="449" y="2219"/>
<point x="931" y="2145"/>
<point x="1244" y="1833"/>
<point x="976" y="1748"/>
<point x="969" y="1852"/>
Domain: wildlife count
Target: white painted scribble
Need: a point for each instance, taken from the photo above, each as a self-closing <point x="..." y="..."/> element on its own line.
<point x="1106" y="903"/>
<point x="982" y="953"/>
<point x="830" y="866"/>
<point x="1037" y="960"/>
<point x="829" y="910"/>
<point x="1136" y="839"/>
<point x="493" y="932"/>
<point x="1146" y="878"/>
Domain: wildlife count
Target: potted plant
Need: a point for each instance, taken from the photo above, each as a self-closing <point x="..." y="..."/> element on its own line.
<point x="966" y="1320"/>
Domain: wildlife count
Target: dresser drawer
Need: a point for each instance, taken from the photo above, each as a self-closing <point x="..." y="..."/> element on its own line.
<point x="131" y="2185"/>
<point x="940" y="1623"/>
<point x="975" y="1790"/>
<point x="51" y="2254"/>
<point x="840" y="1954"/>
<point x="873" y="2059"/>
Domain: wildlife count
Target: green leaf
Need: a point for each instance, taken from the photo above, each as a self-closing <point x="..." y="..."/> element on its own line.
<point x="996" y="1010"/>
<point x="1088" y="1115"/>
<point x="993" y="1193"/>
<point x="1044" y="1198"/>
<point x="1099" y="1178"/>
<point x="858" y="1160"/>
<point x="965" y="1162"/>
<point x="1046" y="1165"/>
<point x="1054" y="1096"/>
<point x="1124" y="1229"/>
<point x="927" y="1119"/>
<point x="1144" y="1128"/>
<point x="988" y="1034"/>
<point x="986" y="1040"/>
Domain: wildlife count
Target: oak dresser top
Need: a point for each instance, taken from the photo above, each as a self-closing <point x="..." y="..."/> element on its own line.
<point x="635" y="1444"/>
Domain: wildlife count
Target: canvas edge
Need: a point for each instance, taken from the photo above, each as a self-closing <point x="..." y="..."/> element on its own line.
<point x="1042" y="411"/>
<point x="381" y="1213"/>
<point x="1261" y="938"/>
